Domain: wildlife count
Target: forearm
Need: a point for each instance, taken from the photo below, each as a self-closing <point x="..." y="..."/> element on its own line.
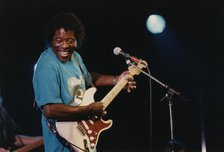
<point x="104" y="80"/>
<point x="21" y="140"/>
<point x="63" y="112"/>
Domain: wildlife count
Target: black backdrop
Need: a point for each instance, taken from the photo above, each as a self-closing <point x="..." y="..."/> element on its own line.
<point x="187" y="56"/>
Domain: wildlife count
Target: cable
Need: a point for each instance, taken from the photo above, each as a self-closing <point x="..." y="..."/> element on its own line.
<point x="150" y="111"/>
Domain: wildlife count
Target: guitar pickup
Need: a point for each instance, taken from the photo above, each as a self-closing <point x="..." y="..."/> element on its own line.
<point x="81" y="129"/>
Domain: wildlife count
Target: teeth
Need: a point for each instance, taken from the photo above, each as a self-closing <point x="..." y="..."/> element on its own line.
<point x="64" y="53"/>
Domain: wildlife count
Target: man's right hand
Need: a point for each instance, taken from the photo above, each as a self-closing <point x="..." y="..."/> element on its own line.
<point x="96" y="109"/>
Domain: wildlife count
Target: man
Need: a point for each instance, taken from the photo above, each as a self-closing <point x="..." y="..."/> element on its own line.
<point x="61" y="78"/>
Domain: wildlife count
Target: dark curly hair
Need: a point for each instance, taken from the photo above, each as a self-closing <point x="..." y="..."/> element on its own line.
<point x="68" y="21"/>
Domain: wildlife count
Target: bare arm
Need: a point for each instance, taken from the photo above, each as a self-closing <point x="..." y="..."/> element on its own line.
<point x="63" y="112"/>
<point x="104" y="80"/>
<point x="110" y="80"/>
<point x="22" y="140"/>
<point x="3" y="150"/>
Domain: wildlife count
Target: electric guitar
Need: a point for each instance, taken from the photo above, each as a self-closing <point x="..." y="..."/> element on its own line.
<point x="83" y="135"/>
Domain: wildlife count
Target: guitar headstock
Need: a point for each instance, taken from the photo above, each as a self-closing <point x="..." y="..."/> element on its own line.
<point x="135" y="69"/>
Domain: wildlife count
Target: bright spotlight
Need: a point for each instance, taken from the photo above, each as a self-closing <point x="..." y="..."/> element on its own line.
<point x="155" y="24"/>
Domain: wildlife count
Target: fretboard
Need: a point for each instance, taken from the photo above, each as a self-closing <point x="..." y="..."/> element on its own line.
<point x="114" y="92"/>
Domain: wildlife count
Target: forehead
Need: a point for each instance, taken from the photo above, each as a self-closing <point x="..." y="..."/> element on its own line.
<point x="64" y="33"/>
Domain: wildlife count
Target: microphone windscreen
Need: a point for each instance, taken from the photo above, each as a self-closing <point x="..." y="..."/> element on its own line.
<point x="117" y="50"/>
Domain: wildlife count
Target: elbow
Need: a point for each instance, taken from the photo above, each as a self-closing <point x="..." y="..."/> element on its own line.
<point x="47" y="109"/>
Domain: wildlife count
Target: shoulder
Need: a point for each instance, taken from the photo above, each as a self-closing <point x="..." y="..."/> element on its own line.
<point x="47" y="61"/>
<point x="47" y="58"/>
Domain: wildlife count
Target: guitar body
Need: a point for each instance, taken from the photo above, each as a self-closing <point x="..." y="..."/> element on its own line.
<point x="83" y="135"/>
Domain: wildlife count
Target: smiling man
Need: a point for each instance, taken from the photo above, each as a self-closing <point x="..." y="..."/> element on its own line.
<point x="60" y="79"/>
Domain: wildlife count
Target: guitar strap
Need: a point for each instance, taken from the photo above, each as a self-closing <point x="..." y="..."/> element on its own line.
<point x="89" y="80"/>
<point x="64" y="142"/>
<point x="52" y="127"/>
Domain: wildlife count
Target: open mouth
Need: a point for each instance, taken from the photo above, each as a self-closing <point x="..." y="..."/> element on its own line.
<point x="64" y="53"/>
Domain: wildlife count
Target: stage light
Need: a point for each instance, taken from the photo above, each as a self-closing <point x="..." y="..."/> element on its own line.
<point x="155" y="24"/>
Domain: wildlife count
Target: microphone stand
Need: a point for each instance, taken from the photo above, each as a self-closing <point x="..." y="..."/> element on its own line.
<point x="169" y="95"/>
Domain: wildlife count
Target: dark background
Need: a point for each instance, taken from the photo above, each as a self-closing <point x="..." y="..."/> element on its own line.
<point x="187" y="56"/>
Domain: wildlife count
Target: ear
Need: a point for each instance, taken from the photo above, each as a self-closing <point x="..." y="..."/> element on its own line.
<point x="76" y="43"/>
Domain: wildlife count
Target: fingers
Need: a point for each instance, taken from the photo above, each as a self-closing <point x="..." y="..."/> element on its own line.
<point x="125" y="72"/>
<point x="131" y="86"/>
<point x="99" y="110"/>
<point x="131" y="83"/>
<point x="104" y="113"/>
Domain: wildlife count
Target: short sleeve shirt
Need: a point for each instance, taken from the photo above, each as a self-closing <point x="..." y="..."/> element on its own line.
<point x="58" y="82"/>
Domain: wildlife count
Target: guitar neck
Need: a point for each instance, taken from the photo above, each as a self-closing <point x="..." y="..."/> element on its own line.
<point x="113" y="93"/>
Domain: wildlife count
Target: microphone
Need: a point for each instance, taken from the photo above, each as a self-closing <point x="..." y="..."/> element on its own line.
<point x="118" y="51"/>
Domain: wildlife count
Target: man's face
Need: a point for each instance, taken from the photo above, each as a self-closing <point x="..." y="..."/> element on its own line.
<point x="64" y="44"/>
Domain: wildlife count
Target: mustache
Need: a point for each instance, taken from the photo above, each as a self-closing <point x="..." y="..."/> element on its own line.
<point x="72" y="49"/>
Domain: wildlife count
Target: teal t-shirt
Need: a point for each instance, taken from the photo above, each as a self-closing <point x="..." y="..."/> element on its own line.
<point x="58" y="82"/>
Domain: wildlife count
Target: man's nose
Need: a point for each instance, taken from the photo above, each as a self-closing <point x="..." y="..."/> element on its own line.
<point x="65" y="44"/>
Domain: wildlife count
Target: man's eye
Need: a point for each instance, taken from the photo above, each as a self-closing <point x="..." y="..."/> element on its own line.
<point x="58" y="40"/>
<point x="68" y="41"/>
<point x="71" y="41"/>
